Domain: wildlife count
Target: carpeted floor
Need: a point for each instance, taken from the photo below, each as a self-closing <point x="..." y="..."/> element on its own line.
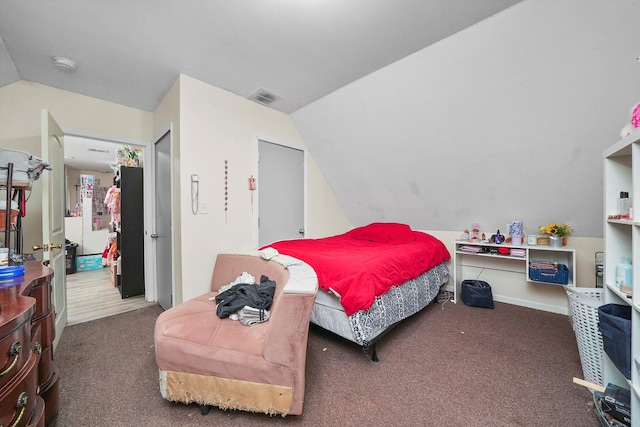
<point x="457" y="366"/>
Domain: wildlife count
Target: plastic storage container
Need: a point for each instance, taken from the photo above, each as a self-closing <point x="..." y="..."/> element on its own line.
<point x="624" y="272"/>
<point x="559" y="275"/>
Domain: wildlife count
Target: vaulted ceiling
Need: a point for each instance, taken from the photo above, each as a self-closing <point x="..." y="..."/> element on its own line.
<point x="130" y="52"/>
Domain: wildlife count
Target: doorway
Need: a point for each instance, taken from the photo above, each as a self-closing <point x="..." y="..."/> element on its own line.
<point x="91" y="293"/>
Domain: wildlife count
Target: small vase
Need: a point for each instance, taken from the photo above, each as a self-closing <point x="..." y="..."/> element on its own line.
<point x="555" y="241"/>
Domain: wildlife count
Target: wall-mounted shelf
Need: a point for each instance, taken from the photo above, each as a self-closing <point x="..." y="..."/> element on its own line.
<point x="562" y="255"/>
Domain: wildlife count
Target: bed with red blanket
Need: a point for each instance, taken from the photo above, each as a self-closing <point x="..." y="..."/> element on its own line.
<point x="372" y="277"/>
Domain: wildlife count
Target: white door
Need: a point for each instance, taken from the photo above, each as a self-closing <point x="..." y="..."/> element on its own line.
<point x="53" y="216"/>
<point x="280" y="193"/>
<point x="162" y="236"/>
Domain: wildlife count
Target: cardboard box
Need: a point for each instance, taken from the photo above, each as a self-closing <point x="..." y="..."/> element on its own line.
<point x="617" y="403"/>
<point x="89" y="262"/>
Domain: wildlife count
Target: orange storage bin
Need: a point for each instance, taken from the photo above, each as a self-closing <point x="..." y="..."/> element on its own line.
<point x="3" y="218"/>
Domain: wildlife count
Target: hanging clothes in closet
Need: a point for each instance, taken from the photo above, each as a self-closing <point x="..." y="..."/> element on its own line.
<point x="112" y="203"/>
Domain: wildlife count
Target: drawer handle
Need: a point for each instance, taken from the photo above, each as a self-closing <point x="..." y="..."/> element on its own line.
<point x="14" y="351"/>
<point x="22" y="405"/>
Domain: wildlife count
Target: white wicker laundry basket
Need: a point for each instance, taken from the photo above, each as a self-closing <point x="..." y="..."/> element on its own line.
<point x="583" y="309"/>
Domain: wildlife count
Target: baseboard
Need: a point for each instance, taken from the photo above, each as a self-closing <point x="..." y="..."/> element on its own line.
<point x="532" y="304"/>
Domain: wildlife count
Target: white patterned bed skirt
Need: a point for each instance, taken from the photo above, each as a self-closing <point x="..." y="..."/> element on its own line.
<point x="400" y="302"/>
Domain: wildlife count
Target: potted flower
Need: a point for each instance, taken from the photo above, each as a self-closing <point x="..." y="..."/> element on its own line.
<point x="130" y="156"/>
<point x="557" y="233"/>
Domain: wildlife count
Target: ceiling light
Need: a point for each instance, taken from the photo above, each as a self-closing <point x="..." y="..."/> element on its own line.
<point x="64" y="64"/>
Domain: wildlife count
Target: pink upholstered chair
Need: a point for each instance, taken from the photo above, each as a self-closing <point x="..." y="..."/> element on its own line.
<point x="220" y="362"/>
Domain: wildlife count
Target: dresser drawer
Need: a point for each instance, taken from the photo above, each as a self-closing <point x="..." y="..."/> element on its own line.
<point x="47" y="328"/>
<point x="42" y="294"/>
<point x="50" y="393"/>
<point x="45" y="366"/>
<point x="37" y="418"/>
<point x="45" y="357"/>
<point x="15" y="348"/>
<point x="18" y="400"/>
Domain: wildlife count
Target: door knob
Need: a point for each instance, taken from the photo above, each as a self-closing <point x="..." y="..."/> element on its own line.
<point x="154" y="236"/>
<point x="45" y="247"/>
<point x="301" y="231"/>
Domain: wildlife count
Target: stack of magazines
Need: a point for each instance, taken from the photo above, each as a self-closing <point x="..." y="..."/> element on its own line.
<point x="469" y="248"/>
<point x="543" y="265"/>
<point x="517" y="252"/>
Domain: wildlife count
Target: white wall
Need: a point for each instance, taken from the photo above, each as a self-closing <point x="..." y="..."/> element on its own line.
<point x="214" y="126"/>
<point x="505" y="120"/>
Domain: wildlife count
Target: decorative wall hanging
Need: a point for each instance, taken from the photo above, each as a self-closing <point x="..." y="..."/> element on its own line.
<point x="86" y="186"/>
<point x="252" y="187"/>
<point x="226" y="189"/>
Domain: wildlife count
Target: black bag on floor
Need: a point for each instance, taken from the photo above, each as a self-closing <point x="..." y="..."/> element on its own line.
<point x="477" y="293"/>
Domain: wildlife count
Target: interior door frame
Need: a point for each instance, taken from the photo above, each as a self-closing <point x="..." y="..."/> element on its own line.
<point x="149" y="262"/>
<point x="256" y="169"/>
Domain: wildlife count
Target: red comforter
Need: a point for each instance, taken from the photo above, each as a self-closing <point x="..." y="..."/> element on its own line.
<point x="363" y="263"/>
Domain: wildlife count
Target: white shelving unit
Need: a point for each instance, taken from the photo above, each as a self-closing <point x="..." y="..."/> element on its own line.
<point x="622" y="239"/>
<point x="563" y="255"/>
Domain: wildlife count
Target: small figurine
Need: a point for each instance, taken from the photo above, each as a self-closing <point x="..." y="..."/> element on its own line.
<point x="475" y="230"/>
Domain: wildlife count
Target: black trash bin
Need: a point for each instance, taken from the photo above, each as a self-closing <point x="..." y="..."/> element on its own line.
<point x="70" y="261"/>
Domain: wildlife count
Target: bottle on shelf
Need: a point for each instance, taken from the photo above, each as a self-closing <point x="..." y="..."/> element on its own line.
<point x="623" y="204"/>
<point x="624" y="274"/>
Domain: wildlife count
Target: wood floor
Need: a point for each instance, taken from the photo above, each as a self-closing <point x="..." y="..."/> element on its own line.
<point x="90" y="296"/>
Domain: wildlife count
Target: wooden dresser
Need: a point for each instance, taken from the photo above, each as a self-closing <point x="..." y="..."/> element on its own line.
<point x="29" y="379"/>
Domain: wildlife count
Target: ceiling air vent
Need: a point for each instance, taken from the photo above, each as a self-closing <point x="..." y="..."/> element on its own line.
<point x="263" y="96"/>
